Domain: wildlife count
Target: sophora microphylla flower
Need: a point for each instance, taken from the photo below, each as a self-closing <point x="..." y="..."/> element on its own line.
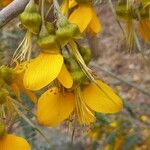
<point x="13" y="142"/>
<point x="55" y="105"/>
<point x="85" y="17"/>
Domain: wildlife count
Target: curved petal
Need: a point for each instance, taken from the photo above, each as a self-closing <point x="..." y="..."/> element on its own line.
<point x="81" y="16"/>
<point x="102" y="99"/>
<point x="65" y="77"/>
<point x="94" y="24"/>
<point x="13" y="142"/>
<point x="42" y="70"/>
<point x="54" y="107"/>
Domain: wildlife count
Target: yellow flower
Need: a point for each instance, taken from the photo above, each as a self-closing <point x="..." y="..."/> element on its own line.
<point x="13" y="142"/>
<point x="45" y="68"/>
<point x="17" y="84"/>
<point x="85" y="17"/>
<point x="54" y="106"/>
<point x="144" y="29"/>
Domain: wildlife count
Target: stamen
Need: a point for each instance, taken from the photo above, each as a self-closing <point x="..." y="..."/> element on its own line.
<point x="23" y="52"/>
<point x="85" y="115"/>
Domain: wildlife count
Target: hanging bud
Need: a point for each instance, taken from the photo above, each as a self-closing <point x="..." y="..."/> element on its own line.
<point x="78" y="76"/>
<point x="71" y="64"/>
<point x="7" y="74"/>
<point x="3" y="96"/>
<point x="48" y="44"/>
<point x="67" y="32"/>
<point x="85" y="53"/>
<point x="2" y="129"/>
<point x="30" y="18"/>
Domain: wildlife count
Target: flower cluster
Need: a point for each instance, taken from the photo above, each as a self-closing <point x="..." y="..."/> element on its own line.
<point x="59" y="70"/>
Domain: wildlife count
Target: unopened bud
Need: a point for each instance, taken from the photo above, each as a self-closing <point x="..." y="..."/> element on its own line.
<point x="30" y="18"/>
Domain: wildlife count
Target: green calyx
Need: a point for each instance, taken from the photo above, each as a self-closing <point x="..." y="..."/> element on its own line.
<point x="85" y="53"/>
<point x="48" y="44"/>
<point x="67" y="32"/>
<point x="3" y="96"/>
<point x="2" y="129"/>
<point x="30" y="18"/>
<point x="7" y="74"/>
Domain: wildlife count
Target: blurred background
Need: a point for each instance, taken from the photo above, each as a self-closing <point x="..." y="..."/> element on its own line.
<point x="124" y="70"/>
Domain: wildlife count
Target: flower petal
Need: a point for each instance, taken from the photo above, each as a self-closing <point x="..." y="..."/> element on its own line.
<point x="13" y="142"/>
<point x="144" y="29"/>
<point x="102" y="100"/>
<point x="94" y="24"/>
<point x="81" y="16"/>
<point x="42" y="70"/>
<point x="54" y="107"/>
<point x="65" y="77"/>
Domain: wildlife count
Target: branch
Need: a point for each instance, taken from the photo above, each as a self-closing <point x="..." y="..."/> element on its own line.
<point x="12" y="11"/>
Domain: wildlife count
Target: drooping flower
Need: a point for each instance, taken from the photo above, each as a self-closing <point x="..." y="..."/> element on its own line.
<point x="88" y="20"/>
<point x="45" y="68"/>
<point x="13" y="142"/>
<point x="54" y="106"/>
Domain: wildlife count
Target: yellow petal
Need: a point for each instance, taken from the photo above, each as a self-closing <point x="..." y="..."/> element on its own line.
<point x="42" y="70"/>
<point x="65" y="78"/>
<point x="94" y="24"/>
<point x="144" y="29"/>
<point x="18" y="86"/>
<point x="13" y="142"/>
<point x="102" y="100"/>
<point x="72" y="3"/>
<point x="81" y="16"/>
<point x="54" y="107"/>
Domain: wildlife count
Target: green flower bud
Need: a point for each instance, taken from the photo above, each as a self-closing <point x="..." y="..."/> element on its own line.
<point x="71" y="64"/>
<point x="85" y="53"/>
<point x="48" y="44"/>
<point x="2" y="129"/>
<point x="3" y="96"/>
<point x="67" y="32"/>
<point x="78" y="76"/>
<point x="30" y="18"/>
<point x="7" y="74"/>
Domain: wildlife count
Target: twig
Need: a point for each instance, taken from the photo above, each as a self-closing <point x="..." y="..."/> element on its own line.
<point x="121" y="79"/>
<point x="12" y="11"/>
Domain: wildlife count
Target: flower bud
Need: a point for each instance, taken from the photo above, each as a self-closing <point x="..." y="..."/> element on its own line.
<point x="30" y="18"/>
<point x="48" y="44"/>
<point x="2" y="129"/>
<point x="67" y="32"/>
<point x="3" y="96"/>
<point x="7" y="74"/>
<point x="85" y="53"/>
<point x="78" y="76"/>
